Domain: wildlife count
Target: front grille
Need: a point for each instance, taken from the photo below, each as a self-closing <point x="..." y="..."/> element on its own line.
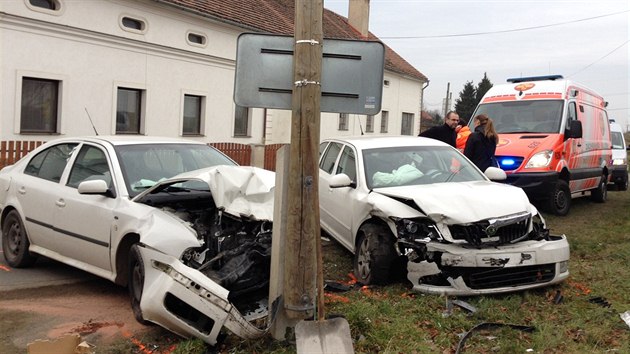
<point x="489" y="278"/>
<point x="476" y="234"/>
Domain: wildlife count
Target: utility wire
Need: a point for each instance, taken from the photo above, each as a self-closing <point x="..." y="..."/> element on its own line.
<point x="591" y="64"/>
<point x="504" y="31"/>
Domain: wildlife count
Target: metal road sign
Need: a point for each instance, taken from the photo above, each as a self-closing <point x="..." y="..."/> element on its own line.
<point x="351" y="80"/>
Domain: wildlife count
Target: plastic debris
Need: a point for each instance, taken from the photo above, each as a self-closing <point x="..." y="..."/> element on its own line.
<point x="625" y="317"/>
<point x="489" y="325"/>
<point x="599" y="301"/>
<point x="557" y="298"/>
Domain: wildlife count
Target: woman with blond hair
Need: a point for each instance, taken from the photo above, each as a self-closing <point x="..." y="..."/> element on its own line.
<point x="482" y="143"/>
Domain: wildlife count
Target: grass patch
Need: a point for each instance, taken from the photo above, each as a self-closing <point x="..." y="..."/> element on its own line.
<point x="392" y="319"/>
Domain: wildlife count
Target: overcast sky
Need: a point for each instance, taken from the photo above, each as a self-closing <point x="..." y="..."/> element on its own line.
<point x="586" y="41"/>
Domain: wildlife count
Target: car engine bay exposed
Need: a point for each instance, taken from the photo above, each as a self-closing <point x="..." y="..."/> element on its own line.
<point x="236" y="250"/>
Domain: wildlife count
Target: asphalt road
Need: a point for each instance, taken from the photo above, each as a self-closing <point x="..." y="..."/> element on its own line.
<point x="44" y="272"/>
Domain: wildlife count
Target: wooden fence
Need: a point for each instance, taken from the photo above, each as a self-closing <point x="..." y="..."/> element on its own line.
<point x="240" y="153"/>
<point x="12" y="151"/>
<point x="270" y="156"/>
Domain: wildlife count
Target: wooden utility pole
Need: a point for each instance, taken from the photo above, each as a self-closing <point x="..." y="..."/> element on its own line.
<point x="302" y="194"/>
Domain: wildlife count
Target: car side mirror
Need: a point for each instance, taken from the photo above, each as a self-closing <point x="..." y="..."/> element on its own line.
<point x="97" y="186"/>
<point x="575" y="130"/>
<point x="495" y="174"/>
<point x="341" y="180"/>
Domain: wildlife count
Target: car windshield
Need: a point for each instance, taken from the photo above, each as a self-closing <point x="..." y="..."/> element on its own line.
<point x="617" y="140"/>
<point x="417" y="165"/>
<point x="524" y="116"/>
<point x="144" y="165"/>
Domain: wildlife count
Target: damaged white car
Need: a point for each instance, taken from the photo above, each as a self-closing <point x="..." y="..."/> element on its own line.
<point x="194" y="250"/>
<point x="420" y="201"/>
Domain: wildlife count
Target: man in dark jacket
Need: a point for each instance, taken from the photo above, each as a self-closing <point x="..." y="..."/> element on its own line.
<point x="445" y="132"/>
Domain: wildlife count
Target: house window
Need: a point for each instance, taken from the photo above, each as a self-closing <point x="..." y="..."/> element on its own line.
<point x="343" y="121"/>
<point x="406" y="127"/>
<point x="192" y="115"/>
<point x="45" y="4"/>
<point x="386" y="83"/>
<point x="384" y="121"/>
<point x="241" y="121"/>
<point x="369" y="124"/>
<point x="133" y="24"/>
<point x="40" y="100"/>
<point x="128" y="111"/>
<point x="196" y="39"/>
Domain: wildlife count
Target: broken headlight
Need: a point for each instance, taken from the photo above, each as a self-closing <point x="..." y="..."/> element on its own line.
<point x="539" y="228"/>
<point x="416" y="230"/>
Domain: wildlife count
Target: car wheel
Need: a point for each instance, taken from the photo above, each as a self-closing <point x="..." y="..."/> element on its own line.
<point x="374" y="254"/>
<point x="623" y="185"/>
<point x="560" y="200"/>
<point x="15" y="243"/>
<point x="136" y="282"/>
<point x="600" y="193"/>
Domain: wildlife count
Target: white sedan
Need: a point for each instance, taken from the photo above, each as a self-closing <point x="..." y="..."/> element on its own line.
<point x="193" y="250"/>
<point x="395" y="201"/>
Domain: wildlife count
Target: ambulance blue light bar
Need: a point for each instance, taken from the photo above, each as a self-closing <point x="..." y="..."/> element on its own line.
<point x="515" y="80"/>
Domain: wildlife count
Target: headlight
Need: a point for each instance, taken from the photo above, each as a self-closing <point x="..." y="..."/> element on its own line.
<point x="619" y="162"/>
<point x="415" y="229"/>
<point x="540" y="159"/>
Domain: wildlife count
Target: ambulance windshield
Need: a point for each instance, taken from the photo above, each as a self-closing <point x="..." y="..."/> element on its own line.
<point x="542" y="116"/>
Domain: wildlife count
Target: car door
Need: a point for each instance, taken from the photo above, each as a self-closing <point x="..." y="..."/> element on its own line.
<point x="84" y="222"/>
<point x="36" y="192"/>
<point x="336" y="209"/>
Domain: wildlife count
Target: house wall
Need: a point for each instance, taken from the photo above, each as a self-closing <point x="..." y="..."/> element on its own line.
<point x="85" y="47"/>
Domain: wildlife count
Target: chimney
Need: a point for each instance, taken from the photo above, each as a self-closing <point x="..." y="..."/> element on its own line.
<point x="359" y="15"/>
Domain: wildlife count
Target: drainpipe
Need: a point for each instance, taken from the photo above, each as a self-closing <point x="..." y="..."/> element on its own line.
<point x="422" y="104"/>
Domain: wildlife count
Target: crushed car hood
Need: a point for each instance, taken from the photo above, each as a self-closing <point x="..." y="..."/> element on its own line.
<point x="238" y="190"/>
<point x="463" y="202"/>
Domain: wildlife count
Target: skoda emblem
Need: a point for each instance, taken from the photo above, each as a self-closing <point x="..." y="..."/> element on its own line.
<point x="491" y="230"/>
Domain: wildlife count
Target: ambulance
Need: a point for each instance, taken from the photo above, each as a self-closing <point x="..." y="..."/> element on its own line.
<point x="554" y="139"/>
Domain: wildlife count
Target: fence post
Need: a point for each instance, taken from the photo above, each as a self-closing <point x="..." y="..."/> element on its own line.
<point x="258" y="155"/>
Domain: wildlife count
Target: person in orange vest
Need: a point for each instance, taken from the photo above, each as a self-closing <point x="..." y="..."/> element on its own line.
<point x="463" y="132"/>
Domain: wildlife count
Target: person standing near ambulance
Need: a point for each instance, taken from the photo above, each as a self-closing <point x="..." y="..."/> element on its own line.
<point x="445" y="132"/>
<point x="463" y="132"/>
<point x="482" y="143"/>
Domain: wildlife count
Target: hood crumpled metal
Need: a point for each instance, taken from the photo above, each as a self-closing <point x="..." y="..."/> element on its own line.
<point x="239" y="190"/>
<point x="466" y="202"/>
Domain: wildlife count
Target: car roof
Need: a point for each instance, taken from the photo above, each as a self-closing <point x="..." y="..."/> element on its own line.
<point x="370" y="142"/>
<point x="117" y="140"/>
<point x="615" y="127"/>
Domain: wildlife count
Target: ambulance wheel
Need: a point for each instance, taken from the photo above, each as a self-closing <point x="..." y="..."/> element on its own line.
<point x="600" y="193"/>
<point x="560" y="200"/>
<point x="623" y="185"/>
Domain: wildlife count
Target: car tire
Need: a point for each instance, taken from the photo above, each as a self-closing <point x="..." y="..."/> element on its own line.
<point x="136" y="282"/>
<point x="560" y="201"/>
<point x="623" y="185"/>
<point x="374" y="254"/>
<point x="600" y="193"/>
<point x="15" y="243"/>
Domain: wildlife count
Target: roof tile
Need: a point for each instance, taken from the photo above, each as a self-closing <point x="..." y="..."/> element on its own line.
<point x="276" y="16"/>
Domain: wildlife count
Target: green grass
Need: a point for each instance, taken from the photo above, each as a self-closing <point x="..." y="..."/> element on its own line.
<point x="392" y="319"/>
